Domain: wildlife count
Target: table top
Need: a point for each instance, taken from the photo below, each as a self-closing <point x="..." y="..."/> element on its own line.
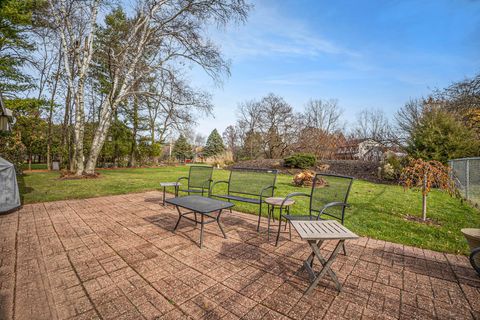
<point x="199" y="204"/>
<point x="322" y="230"/>
<point x="169" y="184"/>
<point x="277" y="201"/>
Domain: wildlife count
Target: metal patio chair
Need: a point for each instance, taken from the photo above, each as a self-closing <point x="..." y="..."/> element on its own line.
<point x="199" y="180"/>
<point x="328" y="198"/>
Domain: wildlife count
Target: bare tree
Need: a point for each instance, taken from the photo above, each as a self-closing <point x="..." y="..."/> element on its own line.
<point x="462" y="99"/>
<point x="408" y="117"/>
<point x="161" y="34"/>
<point x="324" y="115"/>
<point x="372" y="124"/>
<point x="199" y="140"/>
<point x="76" y="23"/>
<point x="231" y="138"/>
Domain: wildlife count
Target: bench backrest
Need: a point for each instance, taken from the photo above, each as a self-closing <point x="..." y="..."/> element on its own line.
<point x="252" y="181"/>
<point x="200" y="176"/>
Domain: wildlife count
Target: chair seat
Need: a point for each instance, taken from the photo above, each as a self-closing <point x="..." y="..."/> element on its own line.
<point x="237" y="198"/>
<point x="297" y="217"/>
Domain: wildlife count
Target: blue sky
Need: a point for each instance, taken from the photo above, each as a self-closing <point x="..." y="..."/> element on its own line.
<point x="365" y="54"/>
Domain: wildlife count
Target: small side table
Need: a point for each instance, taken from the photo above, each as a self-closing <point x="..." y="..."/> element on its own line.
<point x="315" y="232"/>
<point x="169" y="184"/>
<point x="273" y="202"/>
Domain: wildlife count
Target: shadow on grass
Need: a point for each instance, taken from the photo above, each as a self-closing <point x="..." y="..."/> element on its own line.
<point x="23" y="189"/>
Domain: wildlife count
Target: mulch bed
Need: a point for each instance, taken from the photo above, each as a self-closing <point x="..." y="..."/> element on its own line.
<point x="68" y="175"/>
<point x="428" y="221"/>
<point x="358" y="169"/>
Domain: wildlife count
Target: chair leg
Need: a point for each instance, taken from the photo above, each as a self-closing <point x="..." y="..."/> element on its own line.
<point x="290" y="230"/>
<point x="279" y="228"/>
<point x="259" y="217"/>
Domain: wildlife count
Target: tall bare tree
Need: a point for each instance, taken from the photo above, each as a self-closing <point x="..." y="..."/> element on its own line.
<point x="324" y="115"/>
<point x="76" y="24"/>
<point x="408" y="117"/>
<point x="161" y="34"/>
<point x="372" y="124"/>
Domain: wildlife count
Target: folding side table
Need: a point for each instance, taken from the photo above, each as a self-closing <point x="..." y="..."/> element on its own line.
<point x="315" y="232"/>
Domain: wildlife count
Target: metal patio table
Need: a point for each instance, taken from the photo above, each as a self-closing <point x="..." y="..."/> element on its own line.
<point x="205" y="207"/>
<point x="315" y="232"/>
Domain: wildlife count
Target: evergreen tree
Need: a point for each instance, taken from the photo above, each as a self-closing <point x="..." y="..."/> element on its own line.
<point x="439" y="136"/>
<point x="182" y="149"/>
<point x="15" y="45"/>
<point x="214" y="145"/>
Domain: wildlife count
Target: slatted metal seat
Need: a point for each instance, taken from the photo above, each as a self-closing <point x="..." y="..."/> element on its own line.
<point x="237" y="198"/>
<point x="248" y="185"/>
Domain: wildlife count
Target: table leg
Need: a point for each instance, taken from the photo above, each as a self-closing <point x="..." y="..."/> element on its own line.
<point x="325" y="263"/>
<point x="269" y="213"/>
<point x="163" y="196"/>
<point x="220" y="224"/>
<point x="201" y="231"/>
<point x="179" y="218"/>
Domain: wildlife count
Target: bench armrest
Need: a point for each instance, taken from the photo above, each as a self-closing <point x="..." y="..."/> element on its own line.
<point x="265" y="189"/>
<point x="213" y="185"/>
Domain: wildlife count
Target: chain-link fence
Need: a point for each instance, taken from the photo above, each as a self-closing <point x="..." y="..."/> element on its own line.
<point x="466" y="173"/>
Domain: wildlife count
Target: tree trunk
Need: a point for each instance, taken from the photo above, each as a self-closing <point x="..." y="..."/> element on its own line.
<point x="424" y="198"/>
<point x="100" y="135"/>
<point x="424" y="207"/>
<point x="133" y="147"/>
<point x="79" y="129"/>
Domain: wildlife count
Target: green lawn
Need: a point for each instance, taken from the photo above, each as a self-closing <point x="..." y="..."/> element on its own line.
<point x="377" y="210"/>
<point x="35" y="166"/>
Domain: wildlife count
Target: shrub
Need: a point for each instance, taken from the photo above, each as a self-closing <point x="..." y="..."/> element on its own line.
<point x="392" y="166"/>
<point x="439" y="136"/>
<point x="300" y="160"/>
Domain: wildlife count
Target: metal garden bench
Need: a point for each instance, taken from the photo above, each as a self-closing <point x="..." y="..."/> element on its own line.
<point x="248" y="185"/>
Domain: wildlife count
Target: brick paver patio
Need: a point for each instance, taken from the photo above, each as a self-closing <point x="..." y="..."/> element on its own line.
<point x="117" y="258"/>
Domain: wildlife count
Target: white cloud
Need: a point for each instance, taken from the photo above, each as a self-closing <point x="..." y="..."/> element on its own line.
<point x="268" y="32"/>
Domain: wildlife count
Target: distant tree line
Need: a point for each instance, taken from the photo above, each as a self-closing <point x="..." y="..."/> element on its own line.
<point x="443" y="126"/>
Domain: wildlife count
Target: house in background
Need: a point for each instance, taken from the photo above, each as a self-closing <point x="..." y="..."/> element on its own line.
<point x="365" y="150"/>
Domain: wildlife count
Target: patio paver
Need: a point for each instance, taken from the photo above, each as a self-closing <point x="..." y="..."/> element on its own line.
<point x="117" y="258"/>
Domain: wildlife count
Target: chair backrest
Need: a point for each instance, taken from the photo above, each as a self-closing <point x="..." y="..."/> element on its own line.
<point x="329" y="188"/>
<point x="200" y="176"/>
<point x="252" y="181"/>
